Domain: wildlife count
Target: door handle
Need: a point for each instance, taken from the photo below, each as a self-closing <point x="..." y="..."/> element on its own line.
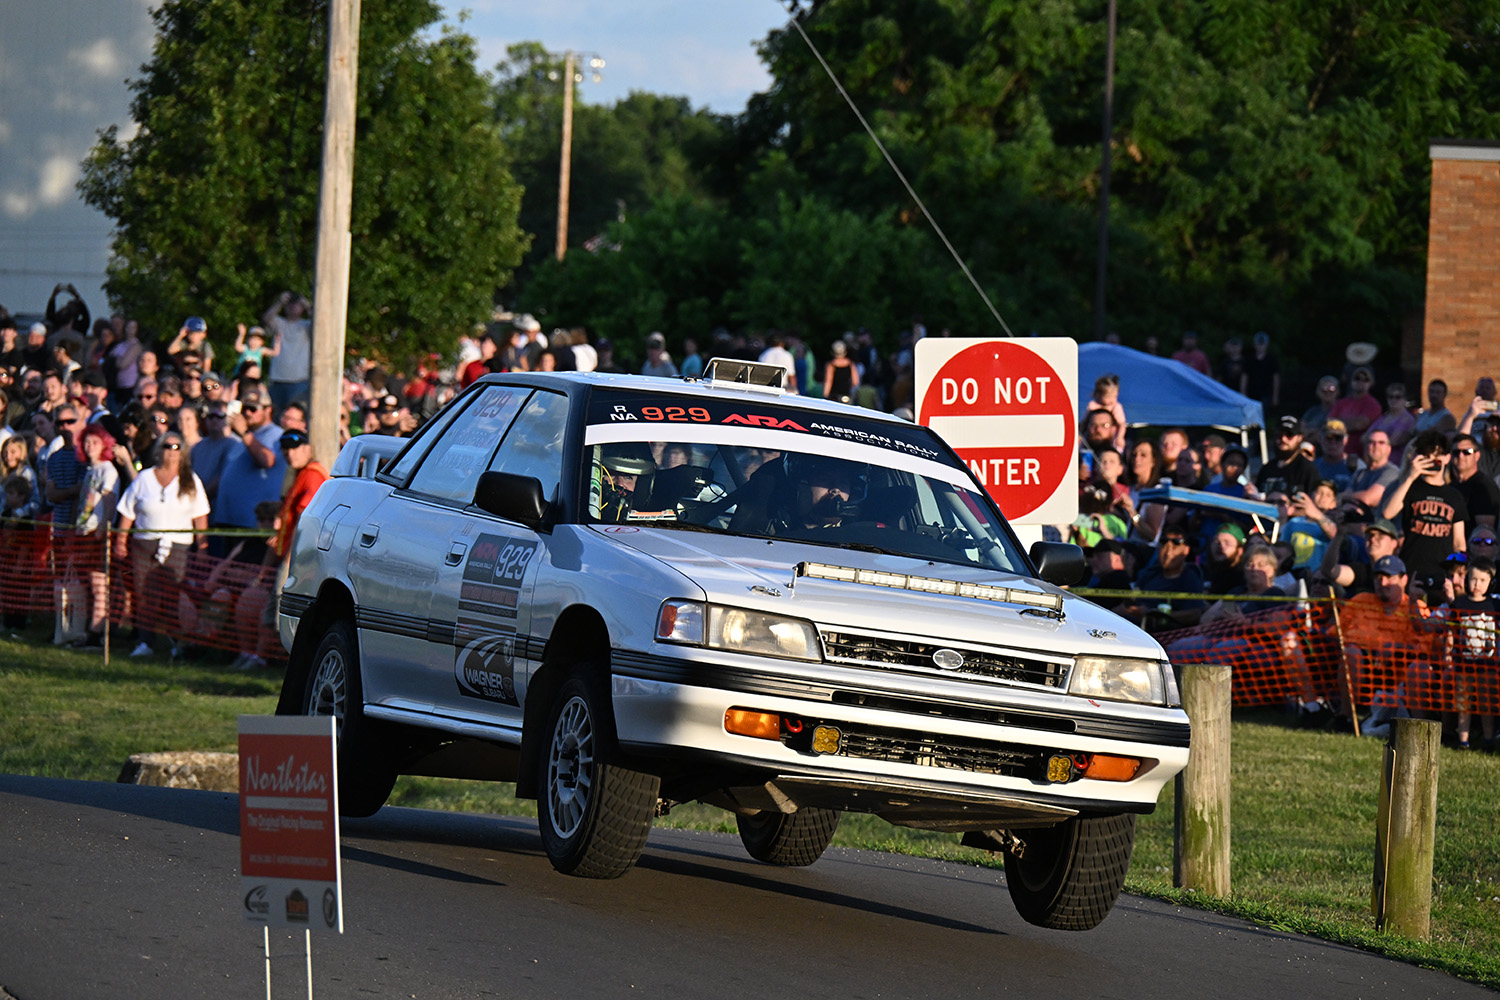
<point x="456" y="553"/>
<point x="368" y="533"/>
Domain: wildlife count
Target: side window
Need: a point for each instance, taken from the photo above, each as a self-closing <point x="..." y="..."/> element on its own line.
<point x="534" y="445"/>
<point x="452" y="466"/>
<point x="398" y="471"/>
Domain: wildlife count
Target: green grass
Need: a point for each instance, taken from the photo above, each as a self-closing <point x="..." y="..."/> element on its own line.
<point x="1303" y="802"/>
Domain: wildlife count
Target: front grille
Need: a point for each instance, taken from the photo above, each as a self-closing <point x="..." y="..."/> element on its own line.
<point x="929" y="750"/>
<point x="888" y="652"/>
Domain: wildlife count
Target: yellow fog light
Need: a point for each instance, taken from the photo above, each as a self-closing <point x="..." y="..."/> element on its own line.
<point x="1060" y="769"/>
<point x="826" y="739"/>
<point x="760" y="725"/>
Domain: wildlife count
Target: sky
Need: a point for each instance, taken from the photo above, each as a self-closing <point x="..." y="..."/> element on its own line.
<point x="64" y="66"/>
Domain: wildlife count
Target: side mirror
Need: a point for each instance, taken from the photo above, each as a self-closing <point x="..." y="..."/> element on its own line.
<point x="1059" y="563"/>
<point x="515" y="498"/>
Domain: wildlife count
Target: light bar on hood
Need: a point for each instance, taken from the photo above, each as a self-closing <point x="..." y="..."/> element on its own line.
<point x="930" y="585"/>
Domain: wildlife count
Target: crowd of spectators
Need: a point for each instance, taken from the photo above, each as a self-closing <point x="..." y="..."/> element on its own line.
<point x="178" y="448"/>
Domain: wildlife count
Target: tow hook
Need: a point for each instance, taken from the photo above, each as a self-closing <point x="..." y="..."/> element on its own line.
<point x="995" y="841"/>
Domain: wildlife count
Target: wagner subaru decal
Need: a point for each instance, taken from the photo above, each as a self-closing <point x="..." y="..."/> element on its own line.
<point x="485" y="632"/>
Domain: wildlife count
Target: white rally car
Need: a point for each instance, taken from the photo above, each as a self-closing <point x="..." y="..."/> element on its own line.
<point x="624" y="593"/>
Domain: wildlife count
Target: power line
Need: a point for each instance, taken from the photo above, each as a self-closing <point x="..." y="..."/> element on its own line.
<point x="904" y="182"/>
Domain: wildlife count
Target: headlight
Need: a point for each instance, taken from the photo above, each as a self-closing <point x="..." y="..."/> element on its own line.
<point x="1118" y="679"/>
<point x="737" y="629"/>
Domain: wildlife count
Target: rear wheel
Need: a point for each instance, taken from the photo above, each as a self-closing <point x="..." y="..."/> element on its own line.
<point x="366" y="775"/>
<point x="1070" y="875"/>
<point x="593" y="813"/>
<point x="791" y="840"/>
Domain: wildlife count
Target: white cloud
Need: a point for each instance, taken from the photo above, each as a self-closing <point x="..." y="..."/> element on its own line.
<point x="102" y="59"/>
<point x="59" y="174"/>
<point x="17" y="205"/>
<point x="5" y="131"/>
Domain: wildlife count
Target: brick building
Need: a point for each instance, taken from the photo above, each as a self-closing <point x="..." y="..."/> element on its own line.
<point x="1460" y="339"/>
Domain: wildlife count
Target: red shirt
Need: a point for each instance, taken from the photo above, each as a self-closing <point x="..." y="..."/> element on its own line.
<point x="295" y="502"/>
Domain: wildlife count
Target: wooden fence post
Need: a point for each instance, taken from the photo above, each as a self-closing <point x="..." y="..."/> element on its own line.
<point x="1406" y="829"/>
<point x="1200" y="855"/>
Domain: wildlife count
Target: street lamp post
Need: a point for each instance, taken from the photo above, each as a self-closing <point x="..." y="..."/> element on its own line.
<point x="571" y="76"/>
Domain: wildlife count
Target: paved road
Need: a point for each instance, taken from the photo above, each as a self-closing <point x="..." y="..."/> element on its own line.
<point x="121" y="892"/>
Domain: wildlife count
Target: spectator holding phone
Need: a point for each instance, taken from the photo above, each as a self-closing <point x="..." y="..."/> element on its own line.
<point x="1432" y="513"/>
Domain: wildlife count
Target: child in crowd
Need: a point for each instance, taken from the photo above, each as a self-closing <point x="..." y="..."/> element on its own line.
<point x="1107" y="397"/>
<point x="1471" y="636"/>
<point x="252" y="347"/>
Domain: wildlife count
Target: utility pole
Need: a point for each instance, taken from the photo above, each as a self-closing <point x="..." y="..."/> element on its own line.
<point x="1101" y="274"/>
<point x="564" y="171"/>
<point x="335" y="196"/>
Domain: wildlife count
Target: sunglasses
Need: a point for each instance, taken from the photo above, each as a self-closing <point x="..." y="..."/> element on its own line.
<point x="210" y="384"/>
<point x="1482" y="541"/>
<point x="251" y="407"/>
<point x="1465" y="451"/>
<point x="146" y="397"/>
<point x="159" y="419"/>
<point x="172" y="446"/>
<point x="1174" y="540"/>
<point x="213" y="416"/>
<point x="1458" y="557"/>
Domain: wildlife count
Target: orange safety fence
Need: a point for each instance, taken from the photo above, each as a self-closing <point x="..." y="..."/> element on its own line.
<point x="188" y="597"/>
<point x="1356" y="651"/>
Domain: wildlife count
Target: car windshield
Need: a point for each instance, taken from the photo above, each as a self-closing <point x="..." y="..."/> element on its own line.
<point x="740" y="466"/>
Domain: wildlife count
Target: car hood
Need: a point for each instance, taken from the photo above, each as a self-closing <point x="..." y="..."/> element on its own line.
<point x="761" y="573"/>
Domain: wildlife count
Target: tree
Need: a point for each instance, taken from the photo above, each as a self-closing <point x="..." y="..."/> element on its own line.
<point x="625" y="156"/>
<point x="215" y="197"/>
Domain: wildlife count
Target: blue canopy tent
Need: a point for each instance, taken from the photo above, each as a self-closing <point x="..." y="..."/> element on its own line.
<point x="1160" y="392"/>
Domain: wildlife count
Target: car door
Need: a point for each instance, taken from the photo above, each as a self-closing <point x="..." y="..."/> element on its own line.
<point x="487" y="594"/>
<point x="402" y="550"/>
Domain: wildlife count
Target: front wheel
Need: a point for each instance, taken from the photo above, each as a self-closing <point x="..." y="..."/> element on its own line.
<point x="1070" y="875"/>
<point x="366" y="774"/>
<point x="593" y="813"/>
<point x="792" y="840"/>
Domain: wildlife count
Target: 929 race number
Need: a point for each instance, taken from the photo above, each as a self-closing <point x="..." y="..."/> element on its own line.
<point x="694" y="414"/>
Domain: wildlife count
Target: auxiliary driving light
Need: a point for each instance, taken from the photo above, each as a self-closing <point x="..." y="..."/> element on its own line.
<point x="826" y="739"/>
<point x="745" y="722"/>
<point x="1060" y="769"/>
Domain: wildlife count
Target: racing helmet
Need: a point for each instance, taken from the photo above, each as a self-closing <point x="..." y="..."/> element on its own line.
<point x="611" y="463"/>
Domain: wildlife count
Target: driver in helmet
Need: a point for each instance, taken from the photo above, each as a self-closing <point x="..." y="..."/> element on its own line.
<point x="820" y="492"/>
<point x="623" y="475"/>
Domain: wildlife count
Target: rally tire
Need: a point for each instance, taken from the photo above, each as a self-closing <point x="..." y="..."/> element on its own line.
<point x="791" y="840"/>
<point x="594" y="814"/>
<point x="1070" y="875"/>
<point x="366" y="774"/>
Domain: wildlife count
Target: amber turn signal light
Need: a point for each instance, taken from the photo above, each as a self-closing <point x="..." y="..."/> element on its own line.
<point x="760" y="725"/>
<point x="1104" y="767"/>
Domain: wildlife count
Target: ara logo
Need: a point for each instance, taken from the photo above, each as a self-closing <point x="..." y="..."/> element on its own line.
<point x="764" y="420"/>
<point x="257" y="903"/>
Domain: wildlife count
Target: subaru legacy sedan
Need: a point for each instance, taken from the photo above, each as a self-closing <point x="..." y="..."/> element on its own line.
<point x="626" y="593"/>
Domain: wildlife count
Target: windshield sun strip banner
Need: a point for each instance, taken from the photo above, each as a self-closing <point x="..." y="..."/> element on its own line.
<point x="793" y="441"/>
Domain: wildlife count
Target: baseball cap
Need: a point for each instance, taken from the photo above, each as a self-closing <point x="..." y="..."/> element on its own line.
<point x="390" y="403"/>
<point x="195" y="323"/>
<point x="254" y="396"/>
<point x="1384" y="526"/>
<point x="656" y="340"/>
<point x="1234" y="530"/>
<point x="292" y="439"/>
<point x="1107" y="545"/>
<point x="94" y="377"/>
<point x="1390" y="566"/>
<point x="1290" y="425"/>
<point x="1214" y="441"/>
<point x="1334" y="427"/>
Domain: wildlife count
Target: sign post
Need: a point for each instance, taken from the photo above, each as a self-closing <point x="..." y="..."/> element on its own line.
<point x="289" y="827"/>
<point x="1008" y="408"/>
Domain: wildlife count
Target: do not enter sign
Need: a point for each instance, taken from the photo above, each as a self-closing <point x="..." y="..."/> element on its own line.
<point x="1008" y="408"/>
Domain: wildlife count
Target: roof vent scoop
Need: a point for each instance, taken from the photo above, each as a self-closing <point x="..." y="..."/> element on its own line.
<point x="745" y="374"/>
